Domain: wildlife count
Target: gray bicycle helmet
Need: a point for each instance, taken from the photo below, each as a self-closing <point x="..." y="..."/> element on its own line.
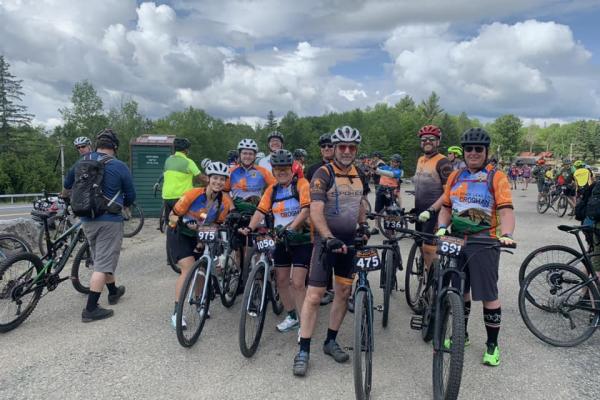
<point x="275" y="135"/>
<point x="281" y="158"/>
<point x="475" y="136"/>
<point x="396" y="157"/>
<point x="107" y="138"/>
<point x="299" y="153"/>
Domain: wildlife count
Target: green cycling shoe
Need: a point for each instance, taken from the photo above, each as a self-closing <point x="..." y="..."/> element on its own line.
<point x="491" y="356"/>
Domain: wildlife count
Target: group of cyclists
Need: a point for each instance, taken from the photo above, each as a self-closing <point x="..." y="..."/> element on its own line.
<point x="320" y="210"/>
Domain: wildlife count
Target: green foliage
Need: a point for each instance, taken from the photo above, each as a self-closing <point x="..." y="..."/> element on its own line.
<point x="506" y="135"/>
<point x="12" y="113"/>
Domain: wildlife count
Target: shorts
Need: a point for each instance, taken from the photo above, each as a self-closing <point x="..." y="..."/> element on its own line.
<point x="570" y="191"/>
<point x="381" y="201"/>
<point x="596" y="248"/>
<point x="481" y="272"/>
<point x="541" y="186"/>
<point x="298" y="256"/>
<point x="105" y="239"/>
<point x="427" y="227"/>
<point x="323" y="262"/>
<point x="182" y="246"/>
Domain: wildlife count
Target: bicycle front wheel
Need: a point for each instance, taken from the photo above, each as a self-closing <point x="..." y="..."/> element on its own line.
<point x="543" y="203"/>
<point x="194" y="301"/>
<point x="450" y="336"/>
<point x="390" y="280"/>
<point x="561" y="206"/>
<point x="254" y="310"/>
<point x="566" y="305"/>
<point x="82" y="269"/>
<point x="231" y="280"/>
<point x="133" y="223"/>
<point x="163" y="219"/>
<point x="170" y="252"/>
<point x="363" y="345"/>
<point x="414" y="278"/>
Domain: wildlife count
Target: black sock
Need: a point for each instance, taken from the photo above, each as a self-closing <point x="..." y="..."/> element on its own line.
<point x="292" y="314"/>
<point x="176" y="307"/>
<point x="305" y="344"/>
<point x="467" y="313"/>
<point x="331" y="335"/>
<point x="112" y="288"/>
<point x="92" y="302"/>
<point x="492" y="319"/>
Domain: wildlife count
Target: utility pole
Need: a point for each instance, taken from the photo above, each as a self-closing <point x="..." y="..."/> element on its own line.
<point x="62" y="162"/>
<point x="571" y="152"/>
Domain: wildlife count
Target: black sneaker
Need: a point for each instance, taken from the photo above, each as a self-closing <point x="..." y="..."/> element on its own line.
<point x="98" y="314"/>
<point x="333" y="349"/>
<point x="114" y="298"/>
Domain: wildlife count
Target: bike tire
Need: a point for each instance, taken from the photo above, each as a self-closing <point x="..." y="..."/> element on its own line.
<point x="446" y="385"/>
<point x="428" y="328"/>
<point x="561" y="206"/>
<point x="162" y="220"/>
<point x="554" y="253"/>
<point x="11" y="245"/>
<point x="363" y="345"/>
<point x="251" y="310"/>
<point x="557" y="309"/>
<point x="543" y="203"/>
<point x="170" y="256"/>
<point x="133" y="225"/>
<point x="276" y="302"/>
<point x="188" y="336"/>
<point x="390" y="275"/>
<point x="414" y="278"/>
<point x="82" y="266"/>
<point x="231" y="280"/>
<point x="10" y="278"/>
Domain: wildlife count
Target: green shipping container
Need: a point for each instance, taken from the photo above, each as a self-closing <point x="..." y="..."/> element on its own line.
<point x="147" y="157"/>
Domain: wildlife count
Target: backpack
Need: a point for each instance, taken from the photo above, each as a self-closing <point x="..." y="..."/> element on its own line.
<point x="87" y="199"/>
<point x="592" y="209"/>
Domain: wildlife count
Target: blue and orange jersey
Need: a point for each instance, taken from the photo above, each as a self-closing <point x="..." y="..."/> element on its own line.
<point x="195" y="204"/>
<point x="244" y="183"/>
<point x="286" y="207"/>
<point x="469" y="195"/>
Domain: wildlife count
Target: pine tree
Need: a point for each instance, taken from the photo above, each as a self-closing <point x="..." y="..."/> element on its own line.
<point x="431" y="108"/>
<point x="11" y="94"/>
<point x="271" y="122"/>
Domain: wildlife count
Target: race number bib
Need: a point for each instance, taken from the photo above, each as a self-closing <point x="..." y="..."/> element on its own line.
<point x="207" y="234"/>
<point x="450" y="246"/>
<point x="367" y="260"/>
<point x="393" y="222"/>
<point x="265" y="244"/>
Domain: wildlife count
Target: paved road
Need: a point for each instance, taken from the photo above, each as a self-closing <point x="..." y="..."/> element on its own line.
<point x="135" y="354"/>
<point x="14" y="211"/>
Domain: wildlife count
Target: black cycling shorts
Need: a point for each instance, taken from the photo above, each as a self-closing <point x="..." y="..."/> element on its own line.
<point x="323" y="262"/>
<point x="481" y="271"/>
<point x="182" y="246"/>
<point x="298" y="256"/>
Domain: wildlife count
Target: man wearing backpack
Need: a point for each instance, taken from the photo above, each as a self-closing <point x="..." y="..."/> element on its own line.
<point x="101" y="188"/>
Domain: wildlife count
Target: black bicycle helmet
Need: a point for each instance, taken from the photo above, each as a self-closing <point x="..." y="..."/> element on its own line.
<point x="325" y="139"/>
<point x="281" y="158"/>
<point x="475" y="136"/>
<point x="396" y="157"/>
<point x="376" y="154"/>
<point x="181" y="144"/>
<point x="107" y="138"/>
<point x="299" y="153"/>
<point x="275" y="135"/>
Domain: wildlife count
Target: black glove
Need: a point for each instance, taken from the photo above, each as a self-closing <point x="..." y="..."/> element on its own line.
<point x="334" y="244"/>
<point x="363" y="230"/>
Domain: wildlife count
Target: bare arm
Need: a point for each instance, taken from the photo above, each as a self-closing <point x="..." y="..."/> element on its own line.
<point x="437" y="206"/>
<point x="300" y="218"/>
<point x="444" y="216"/>
<point x="257" y="217"/>
<point x="317" y="217"/>
<point x="507" y="220"/>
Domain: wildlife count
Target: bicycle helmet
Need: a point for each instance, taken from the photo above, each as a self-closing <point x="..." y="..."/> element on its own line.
<point x="248" y="144"/>
<point x="217" y="168"/>
<point x="362" y="156"/>
<point x="181" y="144"/>
<point x="82" y="141"/>
<point x="579" y="164"/>
<point x="566" y="161"/>
<point x="346" y="134"/>
<point x="325" y="139"/>
<point x="430" y="130"/>
<point x="376" y="154"/>
<point x="107" y="138"/>
<point x="260" y="155"/>
<point x="205" y="163"/>
<point x="275" y="135"/>
<point x="396" y="157"/>
<point x="299" y="153"/>
<point x="456" y="150"/>
<point x="475" y="136"/>
<point x="281" y="158"/>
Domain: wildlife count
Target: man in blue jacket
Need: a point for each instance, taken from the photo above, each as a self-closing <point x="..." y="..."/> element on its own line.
<point x="105" y="232"/>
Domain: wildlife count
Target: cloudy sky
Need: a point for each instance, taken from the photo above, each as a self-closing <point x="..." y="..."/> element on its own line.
<point x="237" y="59"/>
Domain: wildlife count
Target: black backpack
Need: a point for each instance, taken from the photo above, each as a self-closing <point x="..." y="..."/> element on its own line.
<point x="87" y="199"/>
<point x="592" y="209"/>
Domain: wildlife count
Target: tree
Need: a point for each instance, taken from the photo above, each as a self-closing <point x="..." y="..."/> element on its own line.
<point x="129" y="123"/>
<point x="406" y="104"/>
<point x="85" y="117"/>
<point x="430" y="108"/>
<point x="271" y="122"/>
<point x="11" y="94"/>
<point x="463" y="123"/>
<point x="506" y="133"/>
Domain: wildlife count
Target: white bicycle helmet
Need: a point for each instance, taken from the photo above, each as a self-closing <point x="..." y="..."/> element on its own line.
<point x="205" y="162"/>
<point x="346" y="134"/>
<point x="248" y="144"/>
<point x="217" y="168"/>
<point x="82" y="141"/>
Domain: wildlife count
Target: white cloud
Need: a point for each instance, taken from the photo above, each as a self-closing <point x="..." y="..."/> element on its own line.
<point x="353" y="94"/>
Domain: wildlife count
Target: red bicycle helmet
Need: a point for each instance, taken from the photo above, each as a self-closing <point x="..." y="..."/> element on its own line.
<point x="430" y="130"/>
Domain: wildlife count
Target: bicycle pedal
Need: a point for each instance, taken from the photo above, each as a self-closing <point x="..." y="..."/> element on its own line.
<point x="416" y="322"/>
<point x="378" y="307"/>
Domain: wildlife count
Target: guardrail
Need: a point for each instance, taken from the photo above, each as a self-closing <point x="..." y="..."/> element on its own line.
<point x="12" y="197"/>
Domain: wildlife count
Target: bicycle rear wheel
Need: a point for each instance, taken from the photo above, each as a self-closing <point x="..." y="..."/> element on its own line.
<point x="390" y="280"/>
<point x="133" y="223"/>
<point x="194" y="301"/>
<point x="414" y="278"/>
<point x="363" y="345"/>
<point x="275" y="298"/>
<point x="253" y="311"/>
<point x="11" y="245"/>
<point x="448" y="361"/>
<point x="16" y="276"/>
<point x="163" y="219"/>
<point x="543" y="203"/>
<point x="170" y="256"/>
<point x="558" y="314"/>
<point x="82" y="269"/>
<point x="231" y="280"/>
<point x="561" y="206"/>
<point x="555" y="254"/>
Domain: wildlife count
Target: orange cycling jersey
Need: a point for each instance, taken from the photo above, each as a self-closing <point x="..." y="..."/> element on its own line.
<point x="244" y="183"/>
<point x="470" y="196"/>
<point x="286" y="207"/>
<point x="194" y="204"/>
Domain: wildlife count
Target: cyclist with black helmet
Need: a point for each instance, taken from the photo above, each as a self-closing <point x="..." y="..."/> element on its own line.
<point x="477" y="202"/>
<point x="539" y="174"/>
<point x="274" y="143"/>
<point x="288" y="202"/>
<point x="196" y="207"/>
<point x="455" y="154"/>
<point x="336" y="211"/>
<point x="565" y="178"/>
<point x="390" y="176"/>
<point x="430" y="177"/>
<point x="326" y="148"/>
<point x="232" y="159"/>
<point x="300" y="157"/>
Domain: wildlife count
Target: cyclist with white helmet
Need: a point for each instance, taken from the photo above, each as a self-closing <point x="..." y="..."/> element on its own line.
<point x="336" y="211"/>
<point x="196" y="207"/>
<point x="83" y="144"/>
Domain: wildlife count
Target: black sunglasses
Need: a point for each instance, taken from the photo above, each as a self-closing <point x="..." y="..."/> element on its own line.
<point x="81" y="147"/>
<point x="477" y="149"/>
<point x="327" y="146"/>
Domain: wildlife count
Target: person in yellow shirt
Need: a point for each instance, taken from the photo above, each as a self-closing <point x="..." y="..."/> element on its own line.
<point x="582" y="175"/>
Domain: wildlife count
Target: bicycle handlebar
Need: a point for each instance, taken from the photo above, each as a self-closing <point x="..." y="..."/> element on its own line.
<point x="491" y="242"/>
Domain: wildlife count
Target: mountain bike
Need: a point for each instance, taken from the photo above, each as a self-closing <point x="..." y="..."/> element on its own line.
<point x="198" y="291"/>
<point x="61" y="218"/>
<point x="260" y="289"/>
<point x="442" y="319"/>
<point x="24" y="276"/>
<point x="555" y="199"/>
<point x="560" y="303"/>
<point x="392" y="209"/>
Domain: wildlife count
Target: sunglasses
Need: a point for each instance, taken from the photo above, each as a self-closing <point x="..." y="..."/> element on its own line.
<point x="477" y="149"/>
<point x="428" y="139"/>
<point x="80" y="147"/>
<point x="349" y="147"/>
<point x="327" y="146"/>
